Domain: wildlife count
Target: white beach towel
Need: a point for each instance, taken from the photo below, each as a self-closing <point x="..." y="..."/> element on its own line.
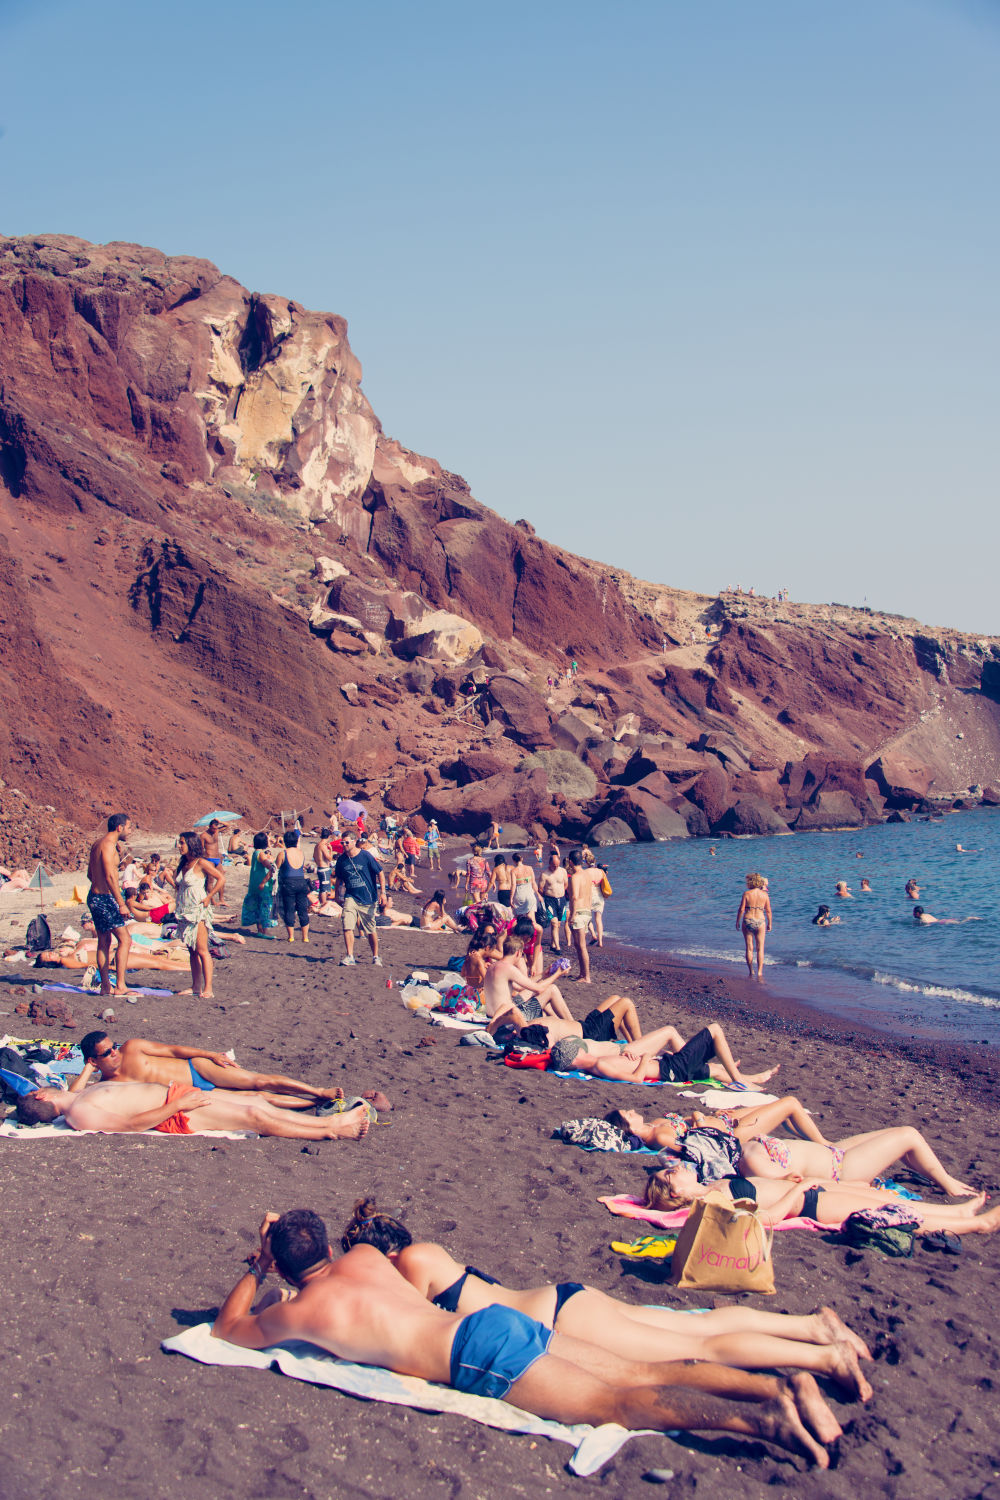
<point x="729" y="1098"/>
<point x="593" y="1446"/>
<point x="59" y="1130"/>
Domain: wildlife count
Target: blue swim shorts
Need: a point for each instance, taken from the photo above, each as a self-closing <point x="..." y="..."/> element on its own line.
<point x="197" y="1082"/>
<point x="105" y="911"/>
<point x="494" y="1348"/>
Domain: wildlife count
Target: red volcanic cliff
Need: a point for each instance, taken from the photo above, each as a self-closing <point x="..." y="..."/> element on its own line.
<point x="221" y="583"/>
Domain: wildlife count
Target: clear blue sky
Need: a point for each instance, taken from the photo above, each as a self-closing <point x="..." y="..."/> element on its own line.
<point x="708" y="290"/>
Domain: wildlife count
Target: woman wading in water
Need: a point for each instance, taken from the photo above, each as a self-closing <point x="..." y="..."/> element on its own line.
<point x="754" y="919"/>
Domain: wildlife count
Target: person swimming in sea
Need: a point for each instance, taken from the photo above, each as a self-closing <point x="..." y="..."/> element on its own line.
<point x="844" y="891"/>
<point x="824" y="919"/>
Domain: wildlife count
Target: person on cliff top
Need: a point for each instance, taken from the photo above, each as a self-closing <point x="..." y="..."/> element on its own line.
<point x="754" y="918"/>
<point x="107" y="904"/>
<point x="360" y="1308"/>
<point x="360" y="880"/>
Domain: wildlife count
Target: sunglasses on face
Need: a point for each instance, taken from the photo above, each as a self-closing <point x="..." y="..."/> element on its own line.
<point x="111" y="1048"/>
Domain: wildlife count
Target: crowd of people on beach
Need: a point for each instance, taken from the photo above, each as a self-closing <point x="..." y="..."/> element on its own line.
<point x="564" y="1351"/>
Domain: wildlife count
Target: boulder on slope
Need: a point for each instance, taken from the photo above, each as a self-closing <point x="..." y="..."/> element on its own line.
<point x="751" y="815"/>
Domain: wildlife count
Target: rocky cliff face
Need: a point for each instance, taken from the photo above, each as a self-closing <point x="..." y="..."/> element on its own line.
<point x="220" y="582"/>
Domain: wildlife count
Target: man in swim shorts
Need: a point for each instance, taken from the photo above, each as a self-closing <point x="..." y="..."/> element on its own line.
<point x="127" y="1108"/>
<point x="553" y="887"/>
<point x="361" y="1309"/>
<point x="142" y="1061"/>
<point x="661" y="1057"/>
<point x="107" y="904"/>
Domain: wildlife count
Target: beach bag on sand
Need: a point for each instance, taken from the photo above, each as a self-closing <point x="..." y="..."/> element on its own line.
<point x="723" y="1246"/>
<point x="887" y="1228"/>
<point x="593" y="1134"/>
<point x="38" y="936"/>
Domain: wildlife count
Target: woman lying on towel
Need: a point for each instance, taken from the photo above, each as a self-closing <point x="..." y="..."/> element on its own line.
<point x="742" y="1337"/>
<point x="826" y="1202"/>
<point x="855" y="1158"/>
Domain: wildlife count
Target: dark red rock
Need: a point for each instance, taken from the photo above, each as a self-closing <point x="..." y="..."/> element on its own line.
<point x="750" y="815"/>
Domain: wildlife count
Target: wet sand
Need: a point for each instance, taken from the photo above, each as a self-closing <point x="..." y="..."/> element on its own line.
<point x="115" y="1243"/>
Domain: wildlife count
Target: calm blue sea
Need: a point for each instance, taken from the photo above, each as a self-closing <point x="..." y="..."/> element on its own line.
<point x="878" y="964"/>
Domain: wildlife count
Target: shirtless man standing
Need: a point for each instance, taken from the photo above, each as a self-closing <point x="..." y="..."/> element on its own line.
<point x="553" y="886"/>
<point x="361" y="1309"/>
<point x="120" y="1108"/>
<point x="581" y="888"/>
<point x="143" y="1061"/>
<point x="509" y="972"/>
<point x="323" y="860"/>
<point x="107" y="904"/>
<point x="706" y="1055"/>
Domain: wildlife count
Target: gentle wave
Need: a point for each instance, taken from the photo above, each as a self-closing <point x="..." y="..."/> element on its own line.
<point x="935" y="991"/>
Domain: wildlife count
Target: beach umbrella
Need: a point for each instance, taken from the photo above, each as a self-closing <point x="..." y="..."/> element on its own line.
<point x="223" y="817"/>
<point x="38" y="882"/>
<point x="352" y="811"/>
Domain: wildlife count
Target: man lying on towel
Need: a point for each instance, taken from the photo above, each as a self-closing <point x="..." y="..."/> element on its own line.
<point x="130" y="1107"/>
<point x="662" y="1056"/>
<point x="361" y="1309"/>
<point x="142" y="1061"/>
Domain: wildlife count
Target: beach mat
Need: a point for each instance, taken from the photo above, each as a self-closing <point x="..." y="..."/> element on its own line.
<point x="592" y="1446"/>
<point x="634" y="1208"/>
<point x="58" y="1129"/>
<point x="78" y="989"/>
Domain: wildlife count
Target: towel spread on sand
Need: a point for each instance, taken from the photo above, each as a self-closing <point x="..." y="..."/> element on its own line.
<point x="736" y="1095"/>
<point x="58" y="1129"/>
<point x="79" y="989"/>
<point x="634" y="1208"/>
<point x="593" y="1445"/>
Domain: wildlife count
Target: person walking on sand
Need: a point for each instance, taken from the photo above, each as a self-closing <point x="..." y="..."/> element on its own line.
<point x="107" y="904"/>
<point x="360" y="881"/>
<point x="581" y="886"/>
<point x="432" y="842"/>
<point x="754" y="918"/>
<point x="293" y="892"/>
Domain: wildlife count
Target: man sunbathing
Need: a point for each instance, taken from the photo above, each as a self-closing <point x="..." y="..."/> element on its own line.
<point x="360" y="1308"/>
<point x="119" y="1108"/>
<point x="615" y="1018"/>
<point x="661" y="1057"/>
<point x="143" y="1061"/>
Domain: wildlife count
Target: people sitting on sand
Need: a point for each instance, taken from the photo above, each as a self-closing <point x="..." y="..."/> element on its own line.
<point x="144" y="905"/>
<point x="824" y="919"/>
<point x="742" y="1337"/>
<point x="677" y="1186"/>
<point x="360" y="1308"/>
<point x="434" y="917"/>
<point x="661" y="1057"/>
<point x="120" y="1108"/>
<point x="508" y="976"/>
<point x="140" y="1060"/>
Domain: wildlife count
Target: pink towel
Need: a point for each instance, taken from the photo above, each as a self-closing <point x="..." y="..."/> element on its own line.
<point x="633" y="1208"/>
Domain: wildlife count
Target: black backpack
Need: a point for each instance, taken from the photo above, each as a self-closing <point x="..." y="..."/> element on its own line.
<point x="39" y="935"/>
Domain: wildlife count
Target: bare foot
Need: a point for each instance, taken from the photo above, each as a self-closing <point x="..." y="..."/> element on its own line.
<point x="989" y="1222"/>
<point x="330" y="1093"/>
<point x="778" y="1421"/>
<point x="185" y="992"/>
<point x="581" y="980"/>
<point x="834" y="1330"/>
<point x="757" y="1079"/>
<point x="350" y="1127"/>
<point x="813" y="1409"/>
<point x="121" y="994"/>
<point x="956" y="1189"/>
<point x="846" y="1371"/>
<point x="206" y="995"/>
<point x="378" y="1099"/>
<point x="970" y="1206"/>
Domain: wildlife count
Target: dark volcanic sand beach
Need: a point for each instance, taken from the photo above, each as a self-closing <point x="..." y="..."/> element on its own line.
<point x="112" y="1244"/>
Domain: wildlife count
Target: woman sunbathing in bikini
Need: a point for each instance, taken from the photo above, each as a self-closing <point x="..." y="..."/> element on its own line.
<point x="854" y="1158"/>
<point x="677" y="1186"/>
<point x="742" y="1337"/>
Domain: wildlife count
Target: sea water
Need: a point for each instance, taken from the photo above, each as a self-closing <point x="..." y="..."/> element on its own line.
<point x="877" y="964"/>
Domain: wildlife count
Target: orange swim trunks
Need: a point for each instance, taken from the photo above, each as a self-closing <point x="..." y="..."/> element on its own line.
<point x="178" y="1124"/>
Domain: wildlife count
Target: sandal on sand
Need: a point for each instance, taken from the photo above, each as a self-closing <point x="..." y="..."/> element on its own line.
<point x="650" y="1246"/>
<point x="343" y="1106"/>
<point x="941" y="1239"/>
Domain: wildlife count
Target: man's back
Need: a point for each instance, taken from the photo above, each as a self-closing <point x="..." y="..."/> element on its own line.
<point x="360" y="1308"/>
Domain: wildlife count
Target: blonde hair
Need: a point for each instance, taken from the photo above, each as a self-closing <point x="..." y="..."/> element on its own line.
<point x="660" y="1195"/>
<point x="756" y="882"/>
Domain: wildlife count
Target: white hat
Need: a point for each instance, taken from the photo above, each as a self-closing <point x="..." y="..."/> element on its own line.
<point x="434" y="822"/>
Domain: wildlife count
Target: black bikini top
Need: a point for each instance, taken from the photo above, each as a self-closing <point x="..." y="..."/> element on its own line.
<point x="741" y="1187"/>
<point x="448" y="1299"/>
